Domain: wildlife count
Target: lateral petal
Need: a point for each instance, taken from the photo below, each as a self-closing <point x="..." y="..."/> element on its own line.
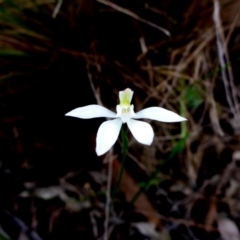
<point x="91" y="111"/>
<point x="107" y="135"/>
<point x="159" y="114"/>
<point x="142" y="131"/>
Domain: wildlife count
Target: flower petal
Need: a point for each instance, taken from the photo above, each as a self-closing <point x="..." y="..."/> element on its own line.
<point x="91" y="111"/>
<point x="125" y="96"/>
<point x="159" y="114"/>
<point x="142" y="131"/>
<point x="107" y="135"/>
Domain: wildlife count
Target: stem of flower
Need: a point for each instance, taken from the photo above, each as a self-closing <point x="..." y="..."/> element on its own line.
<point x="124" y="154"/>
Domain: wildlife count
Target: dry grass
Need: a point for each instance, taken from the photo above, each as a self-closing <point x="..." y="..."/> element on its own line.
<point x="57" y="55"/>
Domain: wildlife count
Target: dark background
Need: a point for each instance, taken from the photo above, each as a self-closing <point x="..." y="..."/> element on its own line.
<point x="52" y="184"/>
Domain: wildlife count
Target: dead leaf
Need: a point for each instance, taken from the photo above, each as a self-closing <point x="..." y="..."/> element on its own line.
<point x="228" y="229"/>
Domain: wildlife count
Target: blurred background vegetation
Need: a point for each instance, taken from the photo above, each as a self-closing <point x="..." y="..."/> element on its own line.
<point x="59" y="55"/>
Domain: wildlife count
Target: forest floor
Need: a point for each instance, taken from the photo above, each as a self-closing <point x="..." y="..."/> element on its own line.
<point x="59" y="55"/>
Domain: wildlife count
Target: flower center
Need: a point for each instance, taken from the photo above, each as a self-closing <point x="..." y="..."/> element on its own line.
<point x="125" y="109"/>
<point x="125" y="112"/>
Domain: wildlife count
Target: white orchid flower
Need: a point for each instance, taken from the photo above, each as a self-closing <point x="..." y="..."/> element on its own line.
<point x="108" y="131"/>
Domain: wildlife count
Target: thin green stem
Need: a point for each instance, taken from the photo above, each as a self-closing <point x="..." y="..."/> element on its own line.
<point x="124" y="154"/>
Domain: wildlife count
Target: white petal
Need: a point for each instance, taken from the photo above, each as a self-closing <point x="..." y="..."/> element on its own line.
<point x="107" y="135"/>
<point x="125" y="96"/>
<point x="159" y="114"/>
<point x="91" y="111"/>
<point x="142" y="131"/>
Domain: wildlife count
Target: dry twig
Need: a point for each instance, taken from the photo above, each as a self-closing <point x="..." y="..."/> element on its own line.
<point x="133" y="15"/>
